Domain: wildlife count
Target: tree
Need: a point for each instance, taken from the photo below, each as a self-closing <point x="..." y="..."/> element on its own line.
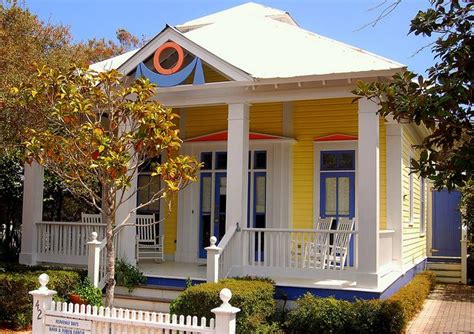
<point x="443" y="100"/>
<point x="27" y="42"/>
<point x="95" y="135"/>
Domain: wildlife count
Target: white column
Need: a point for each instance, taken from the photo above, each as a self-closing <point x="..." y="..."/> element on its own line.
<point x="394" y="188"/>
<point x="127" y="236"/>
<point x="32" y="211"/>
<point x="368" y="194"/>
<point x="237" y="165"/>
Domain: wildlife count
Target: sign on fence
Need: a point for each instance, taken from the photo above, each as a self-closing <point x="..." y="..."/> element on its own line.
<point x="51" y="317"/>
<point x="67" y="326"/>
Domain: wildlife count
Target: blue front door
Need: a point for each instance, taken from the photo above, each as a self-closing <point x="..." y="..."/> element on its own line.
<point x="337" y="188"/>
<point x="446" y="223"/>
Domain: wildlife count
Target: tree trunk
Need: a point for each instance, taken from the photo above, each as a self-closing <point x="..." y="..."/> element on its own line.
<point x="110" y="261"/>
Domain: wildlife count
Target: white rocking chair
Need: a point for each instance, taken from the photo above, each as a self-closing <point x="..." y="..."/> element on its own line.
<point x="340" y="247"/>
<point x="149" y="245"/>
<point x="91" y="218"/>
<point x="316" y="252"/>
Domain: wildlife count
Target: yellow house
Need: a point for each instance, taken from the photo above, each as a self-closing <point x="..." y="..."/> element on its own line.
<point x="300" y="182"/>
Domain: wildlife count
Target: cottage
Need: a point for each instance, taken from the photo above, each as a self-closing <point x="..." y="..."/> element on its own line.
<point x="300" y="183"/>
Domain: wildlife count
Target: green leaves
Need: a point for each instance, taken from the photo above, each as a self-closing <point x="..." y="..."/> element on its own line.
<point x="441" y="101"/>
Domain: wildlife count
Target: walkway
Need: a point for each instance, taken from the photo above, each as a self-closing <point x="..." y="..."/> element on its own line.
<point x="448" y="309"/>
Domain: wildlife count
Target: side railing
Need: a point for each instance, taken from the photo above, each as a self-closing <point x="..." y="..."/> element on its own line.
<point x="65" y="242"/>
<point x="221" y="257"/>
<point x="51" y="317"/>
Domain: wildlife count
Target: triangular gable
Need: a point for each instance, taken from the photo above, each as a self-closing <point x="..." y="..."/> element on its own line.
<point x="202" y="56"/>
<point x="335" y="137"/>
<point x="223" y="136"/>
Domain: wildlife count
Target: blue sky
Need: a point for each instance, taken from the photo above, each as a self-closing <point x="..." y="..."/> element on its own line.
<point x="337" y="19"/>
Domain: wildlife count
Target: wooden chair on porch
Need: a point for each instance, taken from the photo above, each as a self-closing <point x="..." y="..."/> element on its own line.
<point x="316" y="252"/>
<point x="339" y="249"/>
<point x="149" y="244"/>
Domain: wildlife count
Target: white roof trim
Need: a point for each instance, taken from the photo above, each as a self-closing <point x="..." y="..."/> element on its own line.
<point x="170" y="33"/>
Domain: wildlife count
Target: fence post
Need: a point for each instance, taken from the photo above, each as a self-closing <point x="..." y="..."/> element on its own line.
<point x="42" y="299"/>
<point x="225" y="314"/>
<point x="93" y="260"/>
<point x="464" y="255"/>
<point x="213" y="261"/>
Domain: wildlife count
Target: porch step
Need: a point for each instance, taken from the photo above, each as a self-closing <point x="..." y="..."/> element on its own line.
<point x="446" y="272"/>
<point x="147" y="297"/>
<point x="142" y="303"/>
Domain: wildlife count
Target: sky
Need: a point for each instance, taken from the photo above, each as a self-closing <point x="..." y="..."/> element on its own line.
<point x="337" y="19"/>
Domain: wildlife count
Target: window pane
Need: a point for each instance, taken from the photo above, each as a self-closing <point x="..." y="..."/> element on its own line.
<point x="328" y="161"/>
<point x="206" y="158"/>
<point x="343" y="195"/>
<point x="142" y="195"/>
<point x="153" y="189"/>
<point x="330" y="209"/>
<point x="221" y="160"/>
<point x="260" y="160"/>
<point x="346" y="161"/>
<point x="260" y="194"/>
<point x="206" y="193"/>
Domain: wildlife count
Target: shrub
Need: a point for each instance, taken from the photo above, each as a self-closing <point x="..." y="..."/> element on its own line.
<point x="320" y="315"/>
<point x="128" y="275"/>
<point x="16" y="303"/>
<point x="89" y="293"/>
<point x="328" y="315"/>
<point x="253" y="297"/>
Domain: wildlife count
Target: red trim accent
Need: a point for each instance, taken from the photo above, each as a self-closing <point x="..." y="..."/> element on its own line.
<point x="175" y="68"/>
<point x="222" y="136"/>
<point x="335" y="137"/>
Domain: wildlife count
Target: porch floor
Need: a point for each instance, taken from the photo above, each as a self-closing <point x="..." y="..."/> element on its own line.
<point x="197" y="271"/>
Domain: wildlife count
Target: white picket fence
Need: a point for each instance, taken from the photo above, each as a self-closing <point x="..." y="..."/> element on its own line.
<point x="51" y="317"/>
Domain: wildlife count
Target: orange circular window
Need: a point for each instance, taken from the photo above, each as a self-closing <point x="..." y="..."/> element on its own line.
<point x="175" y="68"/>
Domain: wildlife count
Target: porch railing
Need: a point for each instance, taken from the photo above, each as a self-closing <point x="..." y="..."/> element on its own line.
<point x="255" y="251"/>
<point x="65" y="242"/>
<point x="292" y="248"/>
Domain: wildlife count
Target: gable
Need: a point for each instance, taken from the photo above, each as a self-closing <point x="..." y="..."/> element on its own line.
<point x="170" y="59"/>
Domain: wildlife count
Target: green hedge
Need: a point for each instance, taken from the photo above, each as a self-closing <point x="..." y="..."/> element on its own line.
<point x="328" y="315"/>
<point x="253" y="297"/>
<point x="15" y="283"/>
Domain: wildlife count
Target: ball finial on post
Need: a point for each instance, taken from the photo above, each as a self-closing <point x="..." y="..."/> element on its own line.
<point x="94" y="236"/>
<point x="213" y="241"/>
<point x="225" y="296"/>
<point x="43" y="280"/>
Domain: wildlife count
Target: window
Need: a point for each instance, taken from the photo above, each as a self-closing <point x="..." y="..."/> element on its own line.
<point x="422" y="205"/>
<point x="148" y="186"/>
<point x="340" y="160"/>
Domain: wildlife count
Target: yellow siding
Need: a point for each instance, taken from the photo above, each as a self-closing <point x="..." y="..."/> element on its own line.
<point x="204" y="120"/>
<point x="311" y="119"/>
<point x="414" y="244"/>
<point x="267" y="118"/>
<point x="317" y="118"/>
<point x="383" y="175"/>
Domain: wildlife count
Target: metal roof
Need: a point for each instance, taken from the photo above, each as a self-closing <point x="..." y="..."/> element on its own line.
<point x="268" y="44"/>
